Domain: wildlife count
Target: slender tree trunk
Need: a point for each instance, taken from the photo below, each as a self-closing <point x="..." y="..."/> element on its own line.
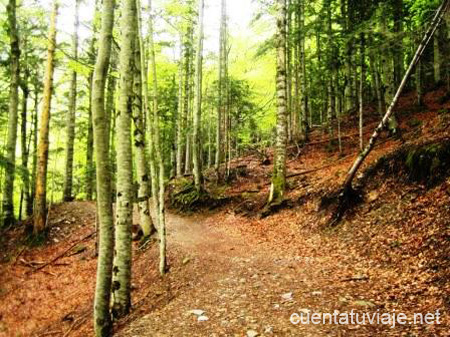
<point x="40" y="210"/>
<point x="30" y="205"/>
<point x="8" y="191"/>
<point x="25" y="143"/>
<point x="158" y="152"/>
<point x="67" y="194"/>
<point x="387" y="60"/>
<point x="437" y="61"/>
<point x="279" y="168"/>
<point x="331" y="65"/>
<point x="188" y="106"/>
<point x="180" y="110"/>
<point x="361" y="89"/>
<point x="289" y="70"/>
<point x="303" y="101"/>
<point x="398" y="30"/>
<point x="197" y="150"/>
<point x="90" y="167"/>
<point x="102" y="317"/>
<point x="376" y="83"/>
<point x="140" y="143"/>
<point x="124" y="204"/>
<point x="221" y="93"/>
<point x="111" y="108"/>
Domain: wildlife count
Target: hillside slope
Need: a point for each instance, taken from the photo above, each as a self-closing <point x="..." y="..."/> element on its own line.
<point x="250" y="273"/>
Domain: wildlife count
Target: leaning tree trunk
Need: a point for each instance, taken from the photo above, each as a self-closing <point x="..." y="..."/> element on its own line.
<point x="143" y="174"/>
<point x="158" y="151"/>
<point x="8" y="191"/>
<point x="279" y="167"/>
<point x="124" y="205"/>
<point x="67" y="194"/>
<point x="347" y="187"/>
<point x="102" y="317"/>
<point x="197" y="150"/>
<point x="40" y="210"/>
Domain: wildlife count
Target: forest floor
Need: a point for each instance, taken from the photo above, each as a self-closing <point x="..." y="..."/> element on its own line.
<point x="246" y="274"/>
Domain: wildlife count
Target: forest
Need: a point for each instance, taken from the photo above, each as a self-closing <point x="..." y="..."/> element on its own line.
<point x="224" y="168"/>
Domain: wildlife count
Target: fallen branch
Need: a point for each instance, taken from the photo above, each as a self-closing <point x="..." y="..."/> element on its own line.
<point x="65" y="252"/>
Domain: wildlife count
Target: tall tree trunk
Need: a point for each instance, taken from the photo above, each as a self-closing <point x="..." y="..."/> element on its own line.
<point x="197" y="150"/>
<point x="158" y="152"/>
<point x="90" y="166"/>
<point x="289" y="71"/>
<point x="143" y="174"/>
<point x="221" y="84"/>
<point x="437" y="60"/>
<point x="25" y="143"/>
<point x="376" y="83"/>
<point x="398" y="52"/>
<point x="331" y="65"/>
<point x="387" y="60"/>
<point x="303" y="96"/>
<point x="188" y="97"/>
<point x="30" y="205"/>
<point x="8" y="191"/>
<point x="180" y="111"/>
<point x="40" y="210"/>
<point x="67" y="194"/>
<point x="124" y="204"/>
<point x="102" y="317"/>
<point x="361" y="91"/>
<point x="279" y="168"/>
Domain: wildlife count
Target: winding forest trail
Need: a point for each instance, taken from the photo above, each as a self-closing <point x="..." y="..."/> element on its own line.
<point x="239" y="284"/>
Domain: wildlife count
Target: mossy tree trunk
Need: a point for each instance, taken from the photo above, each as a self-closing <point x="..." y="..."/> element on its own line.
<point x="279" y="169"/>
<point x="70" y="120"/>
<point x="40" y="209"/>
<point x="102" y="317"/>
<point x="124" y="202"/>
<point x="8" y="192"/>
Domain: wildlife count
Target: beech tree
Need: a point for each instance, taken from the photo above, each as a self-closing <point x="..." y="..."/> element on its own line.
<point x="279" y="168"/>
<point x="71" y="112"/>
<point x="102" y="317"/>
<point x="121" y="289"/>
<point x="40" y="209"/>
<point x="8" y="192"/>
<point x="198" y="100"/>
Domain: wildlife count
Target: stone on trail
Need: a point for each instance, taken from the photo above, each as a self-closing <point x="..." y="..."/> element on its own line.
<point x="202" y="318"/>
<point x="316" y="293"/>
<point x="252" y="333"/>
<point x="197" y="312"/>
<point x="287" y="296"/>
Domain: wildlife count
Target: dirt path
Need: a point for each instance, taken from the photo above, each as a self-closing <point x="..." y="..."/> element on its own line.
<point x="243" y="286"/>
